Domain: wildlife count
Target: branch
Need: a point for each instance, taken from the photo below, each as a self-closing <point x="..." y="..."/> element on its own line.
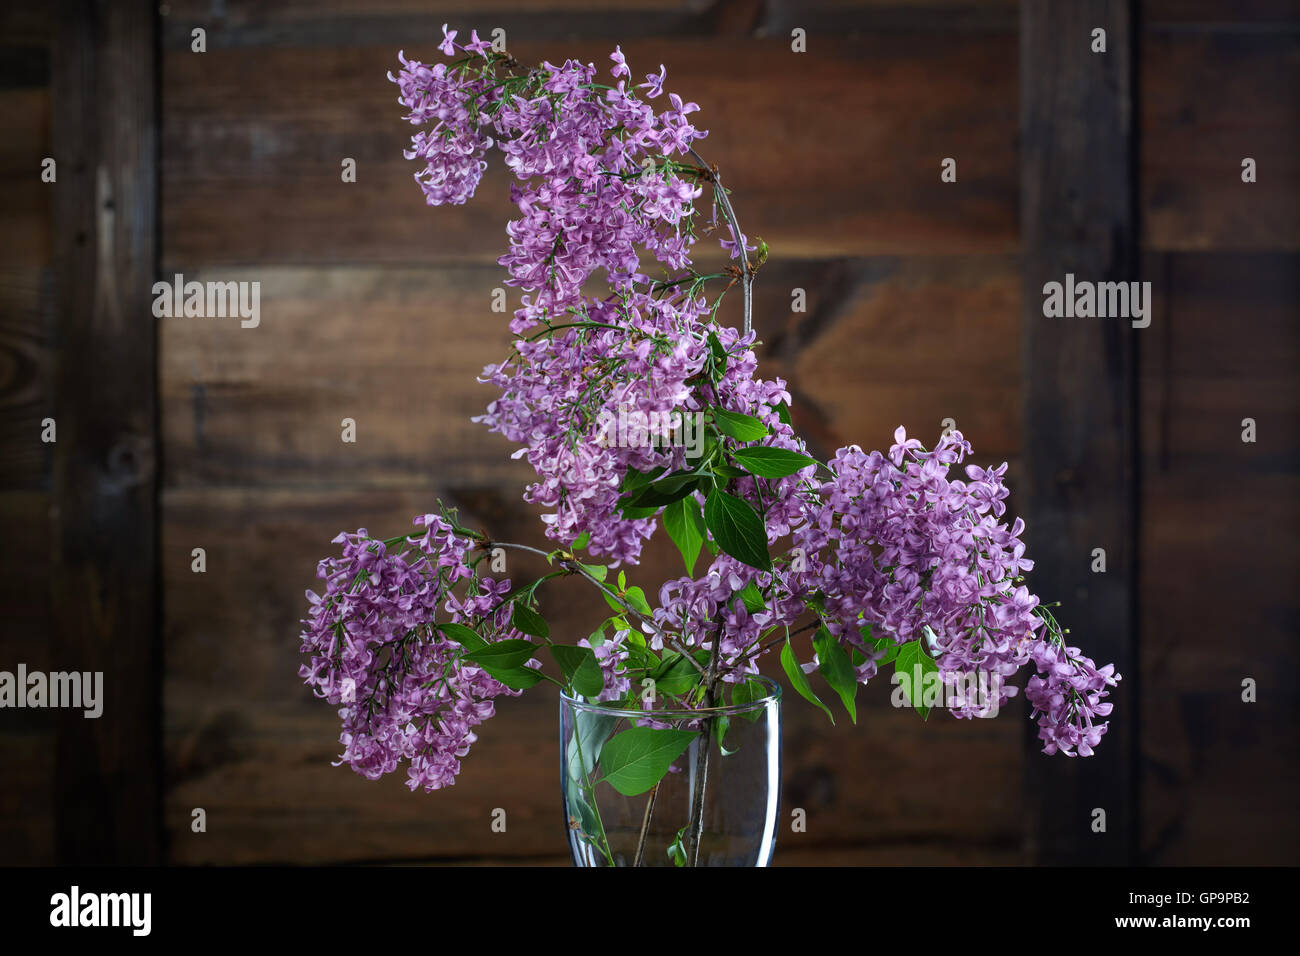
<point x="746" y="270"/>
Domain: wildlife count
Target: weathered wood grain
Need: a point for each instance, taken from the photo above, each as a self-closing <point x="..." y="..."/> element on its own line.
<point x="907" y="342"/>
<point x="106" y="781"/>
<point x="25" y="372"/>
<point x="1208" y="101"/>
<point x="25" y="215"/>
<point x="1223" y="346"/>
<point x="397" y="349"/>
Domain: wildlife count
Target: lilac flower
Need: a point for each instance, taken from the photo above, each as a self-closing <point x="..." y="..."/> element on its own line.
<point x="880" y="550"/>
<point x="620" y="65"/>
<point x="448" y="46"/>
<point x="654" y="82"/>
<point x="404" y="691"/>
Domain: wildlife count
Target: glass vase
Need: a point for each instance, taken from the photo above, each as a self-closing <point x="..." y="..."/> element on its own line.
<point x="716" y="806"/>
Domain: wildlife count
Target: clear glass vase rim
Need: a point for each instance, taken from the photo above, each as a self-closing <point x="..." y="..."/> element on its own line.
<point x="773" y="695"/>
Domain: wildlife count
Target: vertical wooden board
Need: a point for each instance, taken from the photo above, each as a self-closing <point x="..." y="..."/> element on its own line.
<point x="1209" y="101"/>
<point x="1077" y="216"/>
<point x="102" y="581"/>
<point x="25" y="280"/>
<point x="254" y="140"/>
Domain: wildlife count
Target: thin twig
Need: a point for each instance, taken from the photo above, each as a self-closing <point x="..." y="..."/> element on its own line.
<point x="645" y="826"/>
<point x="705" y="745"/>
<point x="747" y="270"/>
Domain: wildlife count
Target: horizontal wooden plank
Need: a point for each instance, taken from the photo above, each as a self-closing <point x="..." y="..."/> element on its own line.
<point x="253" y="140"/>
<point x="352" y="22"/>
<point x="891" y="342"/>
<point x="396" y="350"/>
<point x="1208" y="102"/>
<point x="791" y="852"/>
<point x="245" y="741"/>
<point x="881" y="343"/>
<point x="1218" y="16"/>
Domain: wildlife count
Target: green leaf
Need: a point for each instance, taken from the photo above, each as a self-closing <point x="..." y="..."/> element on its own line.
<point x="799" y="680"/>
<point x="516" y="678"/>
<point x="591" y="730"/>
<point x="729" y="471"/>
<point x="635" y="760"/>
<point x="503" y="654"/>
<point x="783" y="413"/>
<point x="528" y="621"/>
<point x="580" y="668"/>
<point x="685" y="525"/>
<point x="662" y="492"/>
<point x="636" y="597"/>
<point x="772" y="462"/>
<point x="581" y="541"/>
<point x="738" y="426"/>
<point x="719" y="355"/>
<point x="638" y="479"/>
<point x="752" y="597"/>
<point x="675" y="675"/>
<point x="721" y="725"/>
<point x="597" y="571"/>
<point x="587" y="817"/>
<point x="737" y="528"/>
<point x="677" y="849"/>
<point x="913" y="662"/>
<point x="878" y="644"/>
<point x="748" y="692"/>
<point x="835" y="667"/>
<point x="462" y="635"/>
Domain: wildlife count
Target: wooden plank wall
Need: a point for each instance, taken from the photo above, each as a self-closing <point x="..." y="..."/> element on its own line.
<point x="377" y="308"/>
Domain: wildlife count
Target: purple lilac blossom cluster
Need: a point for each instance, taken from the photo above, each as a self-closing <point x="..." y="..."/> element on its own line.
<point x="403" y="691"/>
<point x="882" y="549"/>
